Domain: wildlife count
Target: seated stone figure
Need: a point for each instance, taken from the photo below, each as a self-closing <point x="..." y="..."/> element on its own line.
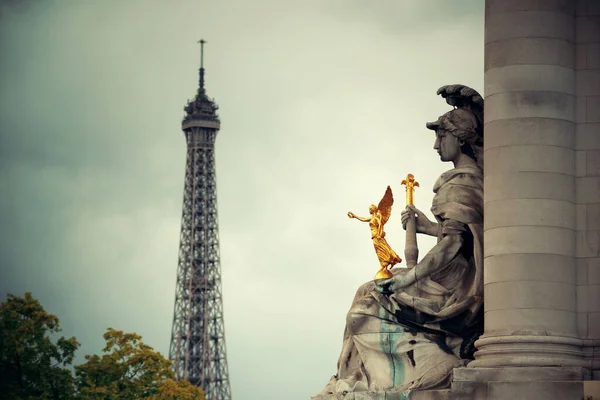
<point x="408" y="332"/>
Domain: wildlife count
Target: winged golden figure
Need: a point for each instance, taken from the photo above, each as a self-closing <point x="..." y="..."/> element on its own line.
<point x="379" y="216"/>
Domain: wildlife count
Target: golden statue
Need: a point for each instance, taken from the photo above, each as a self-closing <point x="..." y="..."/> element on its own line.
<point x="379" y="216"/>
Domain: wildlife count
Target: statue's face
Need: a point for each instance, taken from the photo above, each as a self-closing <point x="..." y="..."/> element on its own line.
<point x="447" y="145"/>
<point x="372" y="209"/>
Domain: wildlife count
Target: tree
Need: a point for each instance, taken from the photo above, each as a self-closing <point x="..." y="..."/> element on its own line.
<point x="178" y="390"/>
<point x="32" y="366"/>
<point x="130" y="369"/>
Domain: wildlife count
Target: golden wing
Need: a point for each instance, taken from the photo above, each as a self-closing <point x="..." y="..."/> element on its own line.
<point x="385" y="205"/>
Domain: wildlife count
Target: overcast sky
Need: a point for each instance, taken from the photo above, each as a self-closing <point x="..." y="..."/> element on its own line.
<point x="323" y="104"/>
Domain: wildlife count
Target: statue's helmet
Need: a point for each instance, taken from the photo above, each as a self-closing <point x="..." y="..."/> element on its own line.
<point x="465" y="121"/>
<point x="461" y="123"/>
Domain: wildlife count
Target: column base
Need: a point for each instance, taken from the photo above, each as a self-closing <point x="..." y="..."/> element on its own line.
<point x="528" y="351"/>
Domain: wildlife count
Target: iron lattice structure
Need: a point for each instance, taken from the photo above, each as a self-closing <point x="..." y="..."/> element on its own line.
<point x="197" y="347"/>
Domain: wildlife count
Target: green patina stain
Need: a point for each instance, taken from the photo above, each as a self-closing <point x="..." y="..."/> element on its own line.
<point x="404" y="395"/>
<point x="390" y="334"/>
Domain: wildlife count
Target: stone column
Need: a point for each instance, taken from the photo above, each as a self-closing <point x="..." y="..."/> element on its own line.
<point x="530" y="220"/>
<point x="587" y="181"/>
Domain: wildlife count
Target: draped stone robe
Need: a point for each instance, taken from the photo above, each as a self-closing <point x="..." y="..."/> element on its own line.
<point x="412" y="338"/>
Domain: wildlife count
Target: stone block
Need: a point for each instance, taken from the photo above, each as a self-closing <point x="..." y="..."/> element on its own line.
<point x="587" y="136"/>
<point x="593" y="298"/>
<point x="529" y="239"/>
<point x="593" y="217"/>
<point x="581" y="110"/>
<point x="592" y="112"/>
<point x="582" y="324"/>
<point x="580" y="7"/>
<point x="533" y="212"/>
<point x="441" y="394"/>
<point x="583" y="305"/>
<point x="592" y="55"/>
<point x="588" y="244"/>
<point x="587" y="29"/>
<point x="529" y="51"/>
<point x="529" y="131"/>
<point x="593" y="163"/>
<point x="536" y="158"/>
<point x="581" y="56"/>
<point x="580" y="163"/>
<point x="592" y="8"/>
<point x="531" y="294"/>
<point x="518" y="374"/>
<point x="580" y="216"/>
<point x="593" y="272"/>
<point x="582" y="271"/>
<point x="529" y="104"/>
<point x="468" y="390"/>
<point x="529" y="24"/>
<point x="528" y="185"/>
<point x="587" y="83"/>
<point x="588" y="7"/>
<point x="505" y="6"/>
<point x="587" y="189"/>
<point x="563" y="390"/>
<point x="531" y="321"/>
<point x="528" y="267"/>
<point x="514" y="78"/>
<point x="594" y="325"/>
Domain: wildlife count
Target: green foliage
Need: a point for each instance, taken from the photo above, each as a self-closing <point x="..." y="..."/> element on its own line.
<point x="130" y="369"/>
<point x="31" y="365"/>
<point x="178" y="390"/>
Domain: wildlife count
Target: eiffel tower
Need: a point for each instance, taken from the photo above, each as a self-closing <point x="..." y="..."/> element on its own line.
<point x="197" y="347"/>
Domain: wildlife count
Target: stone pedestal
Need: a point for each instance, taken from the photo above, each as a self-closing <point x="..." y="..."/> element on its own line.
<point x="518" y="383"/>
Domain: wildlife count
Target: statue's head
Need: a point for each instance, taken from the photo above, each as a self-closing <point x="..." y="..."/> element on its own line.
<point x="460" y="130"/>
<point x="372" y="209"/>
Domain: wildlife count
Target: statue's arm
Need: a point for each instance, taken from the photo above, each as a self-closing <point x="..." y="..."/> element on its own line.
<point x="440" y="255"/>
<point x="431" y="229"/>
<point x="351" y="215"/>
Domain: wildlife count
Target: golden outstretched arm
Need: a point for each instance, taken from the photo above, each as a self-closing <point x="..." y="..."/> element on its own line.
<point x="352" y="215"/>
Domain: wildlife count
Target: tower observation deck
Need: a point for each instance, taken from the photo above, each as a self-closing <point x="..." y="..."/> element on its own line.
<point x="197" y="347"/>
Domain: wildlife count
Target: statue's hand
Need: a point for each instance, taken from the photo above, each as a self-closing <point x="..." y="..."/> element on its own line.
<point x="384" y="286"/>
<point x="351" y="215"/>
<point x="401" y="279"/>
<point x="422" y="223"/>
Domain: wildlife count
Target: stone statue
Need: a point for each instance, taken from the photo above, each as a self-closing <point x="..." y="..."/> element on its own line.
<point x="409" y="331"/>
<point x="379" y="216"/>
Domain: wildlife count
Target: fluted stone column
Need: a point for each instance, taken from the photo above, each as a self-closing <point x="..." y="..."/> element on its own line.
<point x="529" y="233"/>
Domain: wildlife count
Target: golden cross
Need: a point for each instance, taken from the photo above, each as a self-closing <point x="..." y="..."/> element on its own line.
<point x="410" y="184"/>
